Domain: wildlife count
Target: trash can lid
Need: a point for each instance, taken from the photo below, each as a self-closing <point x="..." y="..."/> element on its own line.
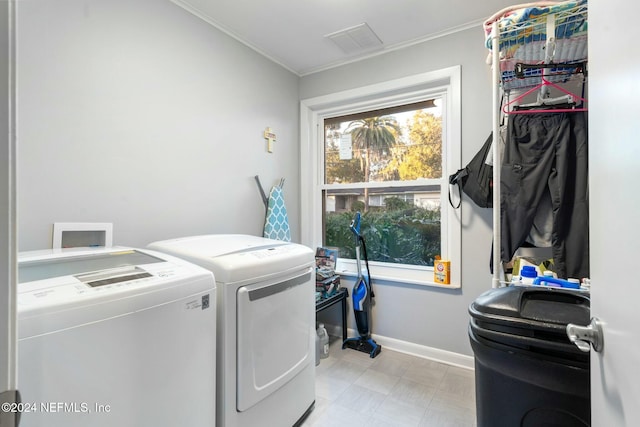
<point x="532" y="307"/>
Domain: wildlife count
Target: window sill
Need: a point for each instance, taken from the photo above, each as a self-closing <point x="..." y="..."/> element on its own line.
<point x="420" y="276"/>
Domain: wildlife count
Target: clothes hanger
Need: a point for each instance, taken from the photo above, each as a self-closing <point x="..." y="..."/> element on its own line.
<point x="564" y="99"/>
<point x="544" y="83"/>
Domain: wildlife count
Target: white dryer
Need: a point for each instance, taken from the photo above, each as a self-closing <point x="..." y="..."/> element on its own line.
<point x="266" y="326"/>
<point x="115" y="337"/>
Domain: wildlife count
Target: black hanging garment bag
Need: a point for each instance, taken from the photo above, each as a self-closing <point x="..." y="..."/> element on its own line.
<point x="476" y="179"/>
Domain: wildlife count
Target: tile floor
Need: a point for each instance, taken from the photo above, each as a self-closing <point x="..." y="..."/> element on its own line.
<point x="394" y="389"/>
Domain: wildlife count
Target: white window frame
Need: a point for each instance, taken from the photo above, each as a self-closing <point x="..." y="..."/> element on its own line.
<point x="444" y="83"/>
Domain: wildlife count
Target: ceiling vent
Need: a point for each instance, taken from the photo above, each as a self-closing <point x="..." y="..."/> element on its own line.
<point x="356" y="39"/>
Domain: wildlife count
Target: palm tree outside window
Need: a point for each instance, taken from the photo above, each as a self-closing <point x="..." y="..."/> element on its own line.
<point x="373" y="137"/>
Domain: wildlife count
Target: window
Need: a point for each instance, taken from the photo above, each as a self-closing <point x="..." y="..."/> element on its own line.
<point x="394" y="157"/>
<point x="385" y="150"/>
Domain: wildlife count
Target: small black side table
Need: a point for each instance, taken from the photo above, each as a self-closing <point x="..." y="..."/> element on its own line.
<point x="340" y="296"/>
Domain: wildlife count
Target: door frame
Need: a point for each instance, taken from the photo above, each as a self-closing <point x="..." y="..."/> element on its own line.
<point x="8" y="221"/>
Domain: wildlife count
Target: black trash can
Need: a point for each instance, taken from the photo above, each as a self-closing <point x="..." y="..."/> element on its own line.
<point x="528" y="373"/>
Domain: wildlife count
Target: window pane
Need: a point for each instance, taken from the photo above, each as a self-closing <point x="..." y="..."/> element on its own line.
<point x="396" y="144"/>
<point x="401" y="226"/>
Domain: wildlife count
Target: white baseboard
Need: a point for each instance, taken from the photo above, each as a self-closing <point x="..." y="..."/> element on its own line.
<point x="418" y="350"/>
<point x="431" y="353"/>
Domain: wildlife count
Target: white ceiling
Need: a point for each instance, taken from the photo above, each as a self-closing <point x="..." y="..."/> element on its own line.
<point x="292" y="32"/>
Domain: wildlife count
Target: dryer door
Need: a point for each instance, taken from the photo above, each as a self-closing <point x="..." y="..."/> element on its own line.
<point x="275" y="322"/>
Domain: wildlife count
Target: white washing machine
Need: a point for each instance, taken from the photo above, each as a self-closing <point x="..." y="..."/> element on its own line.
<point x="115" y="337"/>
<point x="266" y="326"/>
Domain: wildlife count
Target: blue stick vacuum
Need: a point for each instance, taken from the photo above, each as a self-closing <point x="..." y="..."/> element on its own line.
<point x="362" y="294"/>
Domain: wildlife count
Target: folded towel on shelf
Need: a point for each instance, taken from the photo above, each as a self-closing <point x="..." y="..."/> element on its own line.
<point x="513" y="21"/>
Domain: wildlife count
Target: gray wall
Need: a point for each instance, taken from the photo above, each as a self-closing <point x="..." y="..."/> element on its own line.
<point x="432" y="317"/>
<point x="140" y="114"/>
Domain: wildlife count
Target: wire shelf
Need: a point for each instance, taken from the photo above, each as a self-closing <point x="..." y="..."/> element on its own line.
<point x="523" y="38"/>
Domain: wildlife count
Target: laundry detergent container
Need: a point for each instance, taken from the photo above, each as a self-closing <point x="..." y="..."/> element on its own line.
<point x="528" y="373"/>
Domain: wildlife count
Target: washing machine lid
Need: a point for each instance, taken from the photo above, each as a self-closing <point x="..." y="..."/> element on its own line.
<point x="82" y="276"/>
<point x="237" y="258"/>
<point x="49" y="264"/>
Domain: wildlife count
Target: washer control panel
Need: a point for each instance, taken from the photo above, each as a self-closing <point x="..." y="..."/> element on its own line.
<point x="46" y="278"/>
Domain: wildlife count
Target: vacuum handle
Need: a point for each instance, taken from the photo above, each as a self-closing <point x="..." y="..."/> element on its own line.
<point x="355" y="226"/>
